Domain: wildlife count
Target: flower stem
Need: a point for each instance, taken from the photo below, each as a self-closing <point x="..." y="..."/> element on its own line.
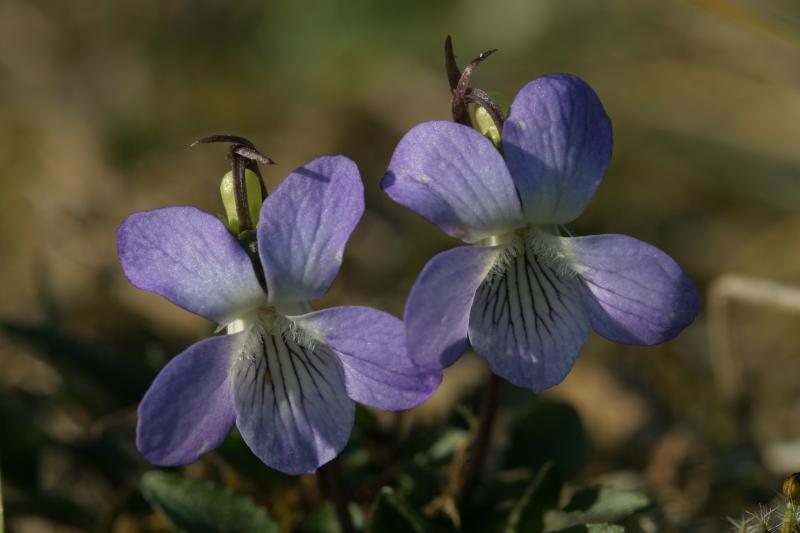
<point x="788" y="519"/>
<point x="2" y="519"/>
<point x="475" y="466"/>
<point x="331" y="477"/>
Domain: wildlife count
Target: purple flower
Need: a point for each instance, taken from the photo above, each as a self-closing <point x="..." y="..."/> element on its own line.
<point x="285" y="375"/>
<point x="523" y="295"/>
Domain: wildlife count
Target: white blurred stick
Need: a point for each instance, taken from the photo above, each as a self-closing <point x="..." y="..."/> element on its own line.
<point x="746" y="289"/>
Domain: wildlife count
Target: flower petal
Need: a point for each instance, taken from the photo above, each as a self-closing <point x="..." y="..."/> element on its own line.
<point x="635" y="293"/>
<point x="291" y="406"/>
<point x="557" y="142"/>
<point x="437" y="311"/>
<point x="188" y="410"/>
<point x="528" y="322"/>
<point x="304" y="226"/>
<point x="188" y="257"/>
<point x="454" y="177"/>
<point x="371" y="346"/>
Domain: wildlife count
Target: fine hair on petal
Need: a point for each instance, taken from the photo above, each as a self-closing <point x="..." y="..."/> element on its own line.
<point x="549" y="252"/>
<point x="504" y="259"/>
<point x="270" y="323"/>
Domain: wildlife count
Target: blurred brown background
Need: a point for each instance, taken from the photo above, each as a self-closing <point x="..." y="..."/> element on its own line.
<point x="99" y="101"/>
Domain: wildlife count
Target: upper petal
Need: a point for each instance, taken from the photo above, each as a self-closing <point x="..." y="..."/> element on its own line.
<point x="454" y="177"/>
<point x="291" y="405"/>
<point x="188" y="257"/>
<point x="437" y="310"/>
<point x="557" y="142"/>
<point x="371" y="346"/>
<point x="635" y="293"/>
<point x="188" y="410"/>
<point x="528" y="321"/>
<point x="304" y="226"/>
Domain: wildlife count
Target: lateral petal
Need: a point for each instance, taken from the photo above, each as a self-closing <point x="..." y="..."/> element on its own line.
<point x="437" y="310"/>
<point x="188" y="410"/>
<point x="371" y="346"/>
<point x="635" y="293"/>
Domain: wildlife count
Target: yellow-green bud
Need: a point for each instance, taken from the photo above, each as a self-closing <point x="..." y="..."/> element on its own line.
<point x="486" y="125"/>
<point x="228" y="192"/>
<point x="791" y="488"/>
<point x="484" y="120"/>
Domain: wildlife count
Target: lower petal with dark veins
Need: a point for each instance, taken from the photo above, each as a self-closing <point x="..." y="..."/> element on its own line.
<point x="291" y="406"/>
<point x="528" y="320"/>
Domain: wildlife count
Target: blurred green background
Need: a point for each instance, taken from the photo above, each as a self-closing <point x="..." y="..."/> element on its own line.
<point x="99" y="101"/>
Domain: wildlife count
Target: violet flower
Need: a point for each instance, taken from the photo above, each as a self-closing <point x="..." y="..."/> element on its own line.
<point x="285" y="375"/>
<point x="523" y="295"/>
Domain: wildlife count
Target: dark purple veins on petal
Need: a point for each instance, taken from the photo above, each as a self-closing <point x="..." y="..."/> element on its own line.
<point x="529" y="323"/>
<point x="291" y="406"/>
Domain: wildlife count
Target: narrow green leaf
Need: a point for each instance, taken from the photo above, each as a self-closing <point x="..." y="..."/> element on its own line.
<point x="540" y="496"/>
<point x="204" y="507"/>
<point x="604" y="528"/>
<point x="356" y="516"/>
<point x="391" y="514"/>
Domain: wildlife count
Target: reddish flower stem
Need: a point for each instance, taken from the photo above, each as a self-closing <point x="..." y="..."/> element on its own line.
<point x="482" y="439"/>
<point x="331" y="477"/>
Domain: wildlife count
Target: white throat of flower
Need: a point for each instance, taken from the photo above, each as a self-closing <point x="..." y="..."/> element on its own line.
<point x="549" y="249"/>
<point x="273" y="319"/>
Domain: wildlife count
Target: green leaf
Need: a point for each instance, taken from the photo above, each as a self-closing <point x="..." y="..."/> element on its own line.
<point x="547" y="431"/>
<point x="593" y="528"/>
<point x="607" y="501"/>
<point x="390" y="514"/>
<point x="540" y="496"/>
<point x="597" y="505"/>
<point x="204" y="507"/>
